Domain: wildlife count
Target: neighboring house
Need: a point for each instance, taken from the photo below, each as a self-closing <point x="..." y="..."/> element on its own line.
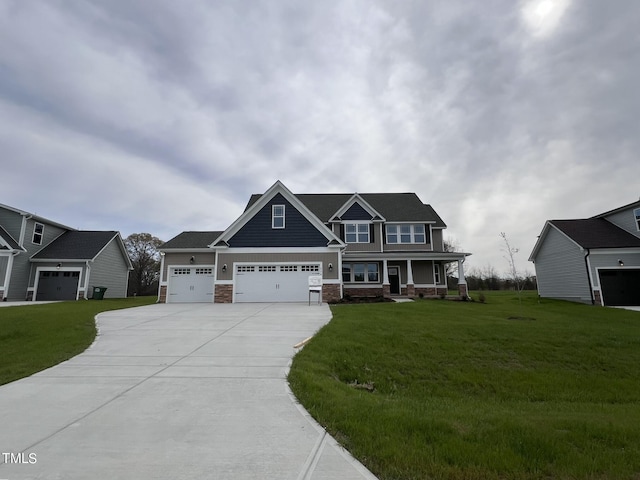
<point x="376" y="244"/>
<point x="45" y="260"/>
<point x="594" y="260"/>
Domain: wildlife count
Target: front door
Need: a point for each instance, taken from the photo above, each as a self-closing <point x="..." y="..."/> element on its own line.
<point x="394" y="280"/>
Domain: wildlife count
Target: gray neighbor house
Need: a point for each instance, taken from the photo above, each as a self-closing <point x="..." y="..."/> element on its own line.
<point x="44" y="260"/>
<point x="353" y="244"/>
<point x="594" y="260"/>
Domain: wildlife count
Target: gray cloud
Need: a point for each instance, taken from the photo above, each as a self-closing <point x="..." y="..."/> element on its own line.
<point x="170" y="115"/>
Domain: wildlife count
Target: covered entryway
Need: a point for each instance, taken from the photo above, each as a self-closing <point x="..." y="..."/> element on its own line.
<point x="191" y="284"/>
<point x="57" y="285"/>
<point x="273" y="282"/>
<point x="620" y="287"/>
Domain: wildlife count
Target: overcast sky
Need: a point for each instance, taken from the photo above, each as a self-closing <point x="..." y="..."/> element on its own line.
<point x="164" y="116"/>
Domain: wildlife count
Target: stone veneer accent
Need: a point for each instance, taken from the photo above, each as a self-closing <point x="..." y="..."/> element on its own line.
<point x="386" y="291"/>
<point x="330" y="292"/>
<point x="597" y="298"/>
<point x="1" y="295"/>
<point x="162" y="298"/>
<point x="411" y="290"/>
<point x="223" y="294"/>
<point x="364" y="292"/>
<point x="462" y="290"/>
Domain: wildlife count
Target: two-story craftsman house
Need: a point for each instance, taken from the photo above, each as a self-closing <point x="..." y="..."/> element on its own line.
<point x="375" y="244"/>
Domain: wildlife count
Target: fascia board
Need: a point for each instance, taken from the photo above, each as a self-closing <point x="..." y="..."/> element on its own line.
<point x="187" y="250"/>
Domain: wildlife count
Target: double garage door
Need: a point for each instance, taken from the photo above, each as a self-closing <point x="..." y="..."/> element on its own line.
<point x="620" y="287"/>
<point x="190" y="284"/>
<point x="273" y="282"/>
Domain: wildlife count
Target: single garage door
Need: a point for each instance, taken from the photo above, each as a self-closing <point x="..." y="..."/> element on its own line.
<point x="190" y="284"/>
<point x="57" y="286"/>
<point x="620" y="287"/>
<point x="273" y="282"/>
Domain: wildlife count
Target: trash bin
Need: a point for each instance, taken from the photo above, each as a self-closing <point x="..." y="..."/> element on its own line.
<point x="98" y="292"/>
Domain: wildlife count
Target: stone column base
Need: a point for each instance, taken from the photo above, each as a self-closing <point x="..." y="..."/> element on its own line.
<point x="223" y="294"/>
<point x="330" y="292"/>
<point x="411" y="291"/>
<point x="462" y="290"/>
<point x="162" y="296"/>
<point x="386" y="291"/>
<point x="597" y="298"/>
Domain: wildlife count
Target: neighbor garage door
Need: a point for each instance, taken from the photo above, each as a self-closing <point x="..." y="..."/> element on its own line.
<point x="620" y="287"/>
<point x="57" y="286"/>
<point x="190" y="284"/>
<point x="273" y="282"/>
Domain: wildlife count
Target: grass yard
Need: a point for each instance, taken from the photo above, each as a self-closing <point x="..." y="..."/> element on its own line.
<point x="440" y="389"/>
<point x="36" y="337"/>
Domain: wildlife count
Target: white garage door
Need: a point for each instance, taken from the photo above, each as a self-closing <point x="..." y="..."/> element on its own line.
<point x="190" y="284"/>
<point x="273" y="282"/>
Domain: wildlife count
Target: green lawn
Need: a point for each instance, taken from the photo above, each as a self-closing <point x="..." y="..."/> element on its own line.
<point x="461" y="391"/>
<point x="36" y="337"/>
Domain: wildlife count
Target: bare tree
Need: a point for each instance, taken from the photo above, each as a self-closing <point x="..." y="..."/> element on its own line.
<point x="514" y="275"/>
<point x="145" y="258"/>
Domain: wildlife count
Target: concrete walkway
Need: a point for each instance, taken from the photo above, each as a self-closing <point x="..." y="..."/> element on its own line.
<point x="174" y="392"/>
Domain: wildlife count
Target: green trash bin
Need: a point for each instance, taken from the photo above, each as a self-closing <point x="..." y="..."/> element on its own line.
<point x="98" y="293"/>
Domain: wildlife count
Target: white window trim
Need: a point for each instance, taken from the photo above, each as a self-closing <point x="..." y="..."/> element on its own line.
<point x="33" y="237"/>
<point x="274" y="216"/>
<point x="412" y="233"/>
<point x="436" y="274"/>
<point x="636" y="217"/>
<point x="366" y="273"/>
<point x="356" y="224"/>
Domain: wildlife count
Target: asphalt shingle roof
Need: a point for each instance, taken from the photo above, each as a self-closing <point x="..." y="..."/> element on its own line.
<point x="76" y="245"/>
<point x="191" y="240"/>
<point x="394" y="207"/>
<point x="596" y="233"/>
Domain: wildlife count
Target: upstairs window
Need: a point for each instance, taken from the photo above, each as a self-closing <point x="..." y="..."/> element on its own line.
<point x="636" y="212"/>
<point x="356" y="232"/>
<point x="277" y="216"/>
<point x="406" y="233"/>
<point x="38" y="232"/>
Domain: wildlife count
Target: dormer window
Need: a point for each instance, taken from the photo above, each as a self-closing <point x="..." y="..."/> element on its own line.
<point x="38" y="232"/>
<point x="356" y="232"/>
<point x="277" y="216"/>
<point x="636" y="212"/>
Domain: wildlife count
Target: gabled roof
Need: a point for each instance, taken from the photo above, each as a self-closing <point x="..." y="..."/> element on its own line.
<point x="7" y="242"/>
<point x="37" y="218"/>
<point x="357" y="199"/>
<point x="619" y="209"/>
<point x="591" y="233"/>
<point x="256" y="202"/>
<point x="191" y="240"/>
<point x="79" y="245"/>
<point x="596" y="233"/>
<point x="393" y="207"/>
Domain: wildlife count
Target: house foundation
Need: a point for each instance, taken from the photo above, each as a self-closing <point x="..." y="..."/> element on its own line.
<point x="330" y="292"/>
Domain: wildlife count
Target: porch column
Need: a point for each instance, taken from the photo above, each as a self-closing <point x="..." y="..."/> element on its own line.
<point x="462" y="283"/>
<point x="411" y="289"/>
<point x="386" y="286"/>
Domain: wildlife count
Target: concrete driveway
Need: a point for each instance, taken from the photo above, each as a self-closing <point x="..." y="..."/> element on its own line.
<point x="174" y="391"/>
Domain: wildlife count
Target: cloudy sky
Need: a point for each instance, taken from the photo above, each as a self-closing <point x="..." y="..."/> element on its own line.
<point x="163" y="116"/>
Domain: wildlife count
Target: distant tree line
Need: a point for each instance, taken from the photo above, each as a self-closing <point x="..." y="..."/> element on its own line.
<point x="487" y="278"/>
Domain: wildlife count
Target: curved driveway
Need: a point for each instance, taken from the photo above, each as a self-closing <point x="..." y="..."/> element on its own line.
<point x="173" y="392"/>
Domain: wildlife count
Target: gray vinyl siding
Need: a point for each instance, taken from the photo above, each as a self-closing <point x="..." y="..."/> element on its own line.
<point x="230" y="258"/>
<point x="11" y="222"/>
<point x="109" y="270"/>
<point x="4" y="263"/>
<point x="625" y="220"/>
<point x="561" y="270"/>
<point x="422" y="272"/>
<point x="183" y="258"/>
<point x="298" y="231"/>
<point x="19" y="278"/>
<point x="610" y="260"/>
<point x="437" y="239"/>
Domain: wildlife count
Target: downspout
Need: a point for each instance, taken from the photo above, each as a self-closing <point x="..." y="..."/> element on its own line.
<point x="86" y="280"/>
<point x="586" y="264"/>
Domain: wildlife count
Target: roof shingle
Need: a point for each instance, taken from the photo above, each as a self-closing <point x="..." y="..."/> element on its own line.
<point x="76" y="245"/>
<point x="596" y="233"/>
